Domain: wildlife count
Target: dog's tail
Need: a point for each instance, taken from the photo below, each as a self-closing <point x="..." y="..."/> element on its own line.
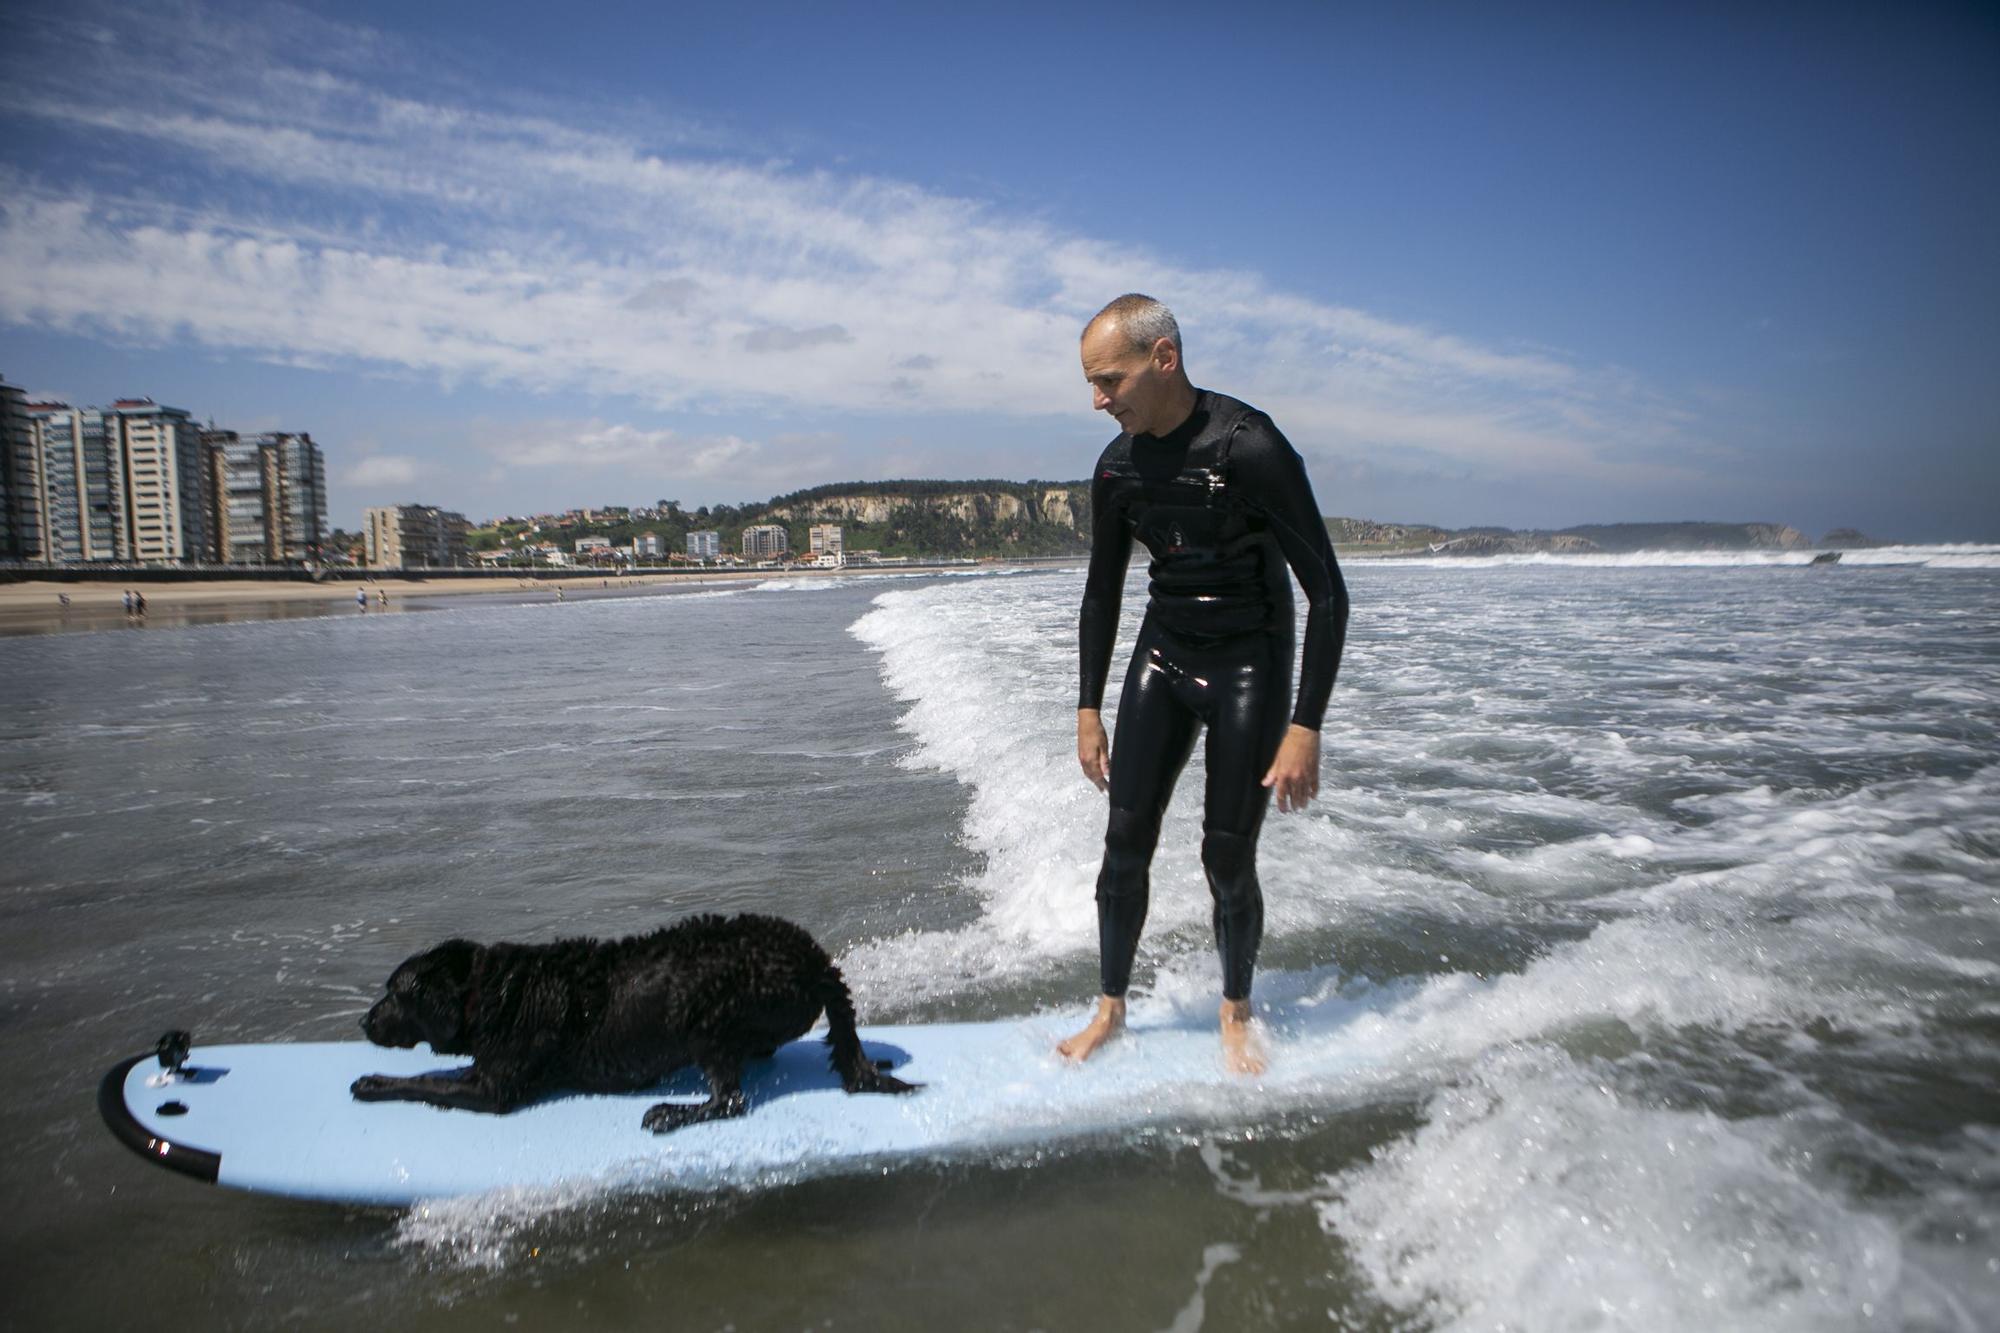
<point x="857" y="1072"/>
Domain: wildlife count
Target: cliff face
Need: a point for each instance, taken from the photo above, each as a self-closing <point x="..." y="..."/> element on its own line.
<point x="1060" y="504"/>
<point x="1563" y="543"/>
<point x="1054" y="505"/>
<point x="1367" y="532"/>
<point x="1778" y="535"/>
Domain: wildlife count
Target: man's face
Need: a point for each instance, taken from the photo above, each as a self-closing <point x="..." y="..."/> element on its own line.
<point x="1135" y="387"/>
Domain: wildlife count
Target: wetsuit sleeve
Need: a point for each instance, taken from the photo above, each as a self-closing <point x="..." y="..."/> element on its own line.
<point x="1103" y="589"/>
<point x="1272" y="477"/>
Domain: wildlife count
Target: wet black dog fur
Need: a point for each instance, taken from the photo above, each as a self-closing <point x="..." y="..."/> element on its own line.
<point x="616" y="1016"/>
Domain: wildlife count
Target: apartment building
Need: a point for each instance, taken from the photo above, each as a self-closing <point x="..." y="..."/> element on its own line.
<point x="269" y="495"/>
<point x="704" y="545"/>
<point x="22" y="534"/>
<point x="83" y="501"/>
<point x="824" y="539"/>
<point x="414" y="537"/>
<point x="164" y="481"/>
<point x="765" y="541"/>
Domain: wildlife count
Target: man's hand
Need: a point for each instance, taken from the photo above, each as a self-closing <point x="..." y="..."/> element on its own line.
<point x="1092" y="750"/>
<point x="1294" y="773"/>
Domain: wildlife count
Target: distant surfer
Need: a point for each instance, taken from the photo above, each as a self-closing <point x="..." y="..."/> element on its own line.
<point x="1221" y="501"/>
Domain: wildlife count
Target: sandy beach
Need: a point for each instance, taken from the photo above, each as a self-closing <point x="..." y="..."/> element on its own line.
<point x="36" y="606"/>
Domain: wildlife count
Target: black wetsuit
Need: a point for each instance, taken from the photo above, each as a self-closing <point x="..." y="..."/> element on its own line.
<point x="1223" y="505"/>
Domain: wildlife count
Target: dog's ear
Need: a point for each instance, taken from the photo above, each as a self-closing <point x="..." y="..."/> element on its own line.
<point x="453" y="960"/>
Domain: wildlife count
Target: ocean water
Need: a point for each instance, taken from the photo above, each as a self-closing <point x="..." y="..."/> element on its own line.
<point x="1663" y="894"/>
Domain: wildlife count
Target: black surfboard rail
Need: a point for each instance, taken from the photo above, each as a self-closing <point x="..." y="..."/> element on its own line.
<point x="200" y="1163"/>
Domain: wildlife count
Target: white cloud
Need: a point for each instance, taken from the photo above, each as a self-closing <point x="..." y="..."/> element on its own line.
<point x="382" y="470"/>
<point x="344" y="222"/>
<point x="599" y="444"/>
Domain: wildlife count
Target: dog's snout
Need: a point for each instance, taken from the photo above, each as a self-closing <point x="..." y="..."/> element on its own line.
<point x="378" y="1023"/>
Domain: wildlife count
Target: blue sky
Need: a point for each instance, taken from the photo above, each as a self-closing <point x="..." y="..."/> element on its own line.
<point x="1525" y="265"/>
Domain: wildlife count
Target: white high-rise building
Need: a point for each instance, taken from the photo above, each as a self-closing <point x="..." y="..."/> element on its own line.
<point x="825" y="540"/>
<point x="704" y="545"/>
<point x="164" y="481"/>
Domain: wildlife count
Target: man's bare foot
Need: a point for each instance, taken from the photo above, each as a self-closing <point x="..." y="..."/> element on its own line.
<point x="1242" y="1049"/>
<point x="1107" y="1023"/>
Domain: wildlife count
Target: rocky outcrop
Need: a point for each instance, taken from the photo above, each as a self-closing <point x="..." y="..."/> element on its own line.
<point x="978" y="508"/>
<point x="1522" y="543"/>
<point x="1776" y="536"/>
<point x="1366" y="537"/>
<point x="1367" y="532"/>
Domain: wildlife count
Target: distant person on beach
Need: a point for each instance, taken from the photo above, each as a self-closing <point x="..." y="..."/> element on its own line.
<point x="63" y="597"/>
<point x="361" y="598"/>
<point x="382" y="599"/>
<point x="1221" y="501"/>
<point x="139" y="602"/>
<point x="128" y="601"/>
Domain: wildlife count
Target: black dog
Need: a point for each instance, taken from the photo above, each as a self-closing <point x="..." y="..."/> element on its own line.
<point x="616" y="1016"/>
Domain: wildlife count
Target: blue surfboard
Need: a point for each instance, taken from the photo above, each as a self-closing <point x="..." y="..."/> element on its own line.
<point x="278" y="1118"/>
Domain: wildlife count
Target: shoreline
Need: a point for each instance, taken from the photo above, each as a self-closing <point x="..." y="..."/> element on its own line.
<point x="35" y="606"/>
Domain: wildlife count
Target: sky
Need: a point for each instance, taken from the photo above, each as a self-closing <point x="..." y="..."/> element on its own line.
<point x="1526" y="265"/>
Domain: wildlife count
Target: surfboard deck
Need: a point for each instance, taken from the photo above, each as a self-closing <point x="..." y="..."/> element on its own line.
<point x="278" y="1118"/>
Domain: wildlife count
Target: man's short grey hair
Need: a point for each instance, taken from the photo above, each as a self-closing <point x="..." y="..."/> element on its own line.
<point x="1141" y="319"/>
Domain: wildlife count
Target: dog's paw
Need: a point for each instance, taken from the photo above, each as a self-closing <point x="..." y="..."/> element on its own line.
<point x="372" y="1088"/>
<point x="667" y="1117"/>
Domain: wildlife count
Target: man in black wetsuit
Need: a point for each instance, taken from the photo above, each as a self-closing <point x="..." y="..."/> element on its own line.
<point x="1221" y="501"/>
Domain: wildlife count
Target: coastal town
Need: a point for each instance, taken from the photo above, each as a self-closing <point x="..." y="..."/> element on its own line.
<point x="140" y="483"/>
<point x="89" y="493"/>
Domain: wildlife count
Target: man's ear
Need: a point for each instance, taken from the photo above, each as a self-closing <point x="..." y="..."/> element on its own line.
<point x="1166" y="356"/>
